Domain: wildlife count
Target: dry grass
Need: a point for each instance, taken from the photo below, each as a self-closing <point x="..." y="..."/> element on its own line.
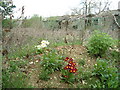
<point x="29" y="36"/>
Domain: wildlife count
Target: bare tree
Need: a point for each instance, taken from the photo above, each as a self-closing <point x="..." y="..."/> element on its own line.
<point x="91" y="7"/>
<point x="101" y="6"/>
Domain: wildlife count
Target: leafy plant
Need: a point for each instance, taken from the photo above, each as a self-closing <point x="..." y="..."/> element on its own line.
<point x="83" y="74"/>
<point x="99" y="43"/>
<point x="115" y="55"/>
<point x="51" y="61"/>
<point x="107" y="75"/>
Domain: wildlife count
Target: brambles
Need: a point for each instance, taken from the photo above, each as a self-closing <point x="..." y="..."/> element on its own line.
<point x="68" y="73"/>
<point x="99" y="43"/>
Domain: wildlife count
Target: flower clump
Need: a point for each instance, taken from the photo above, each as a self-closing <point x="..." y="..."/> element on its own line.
<point x="71" y="66"/>
<point x="43" y="44"/>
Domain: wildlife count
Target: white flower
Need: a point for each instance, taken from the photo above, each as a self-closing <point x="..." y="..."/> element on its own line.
<point x="117" y="50"/>
<point x="38" y="46"/>
<point x="84" y="82"/>
<point x="37" y="61"/>
<point x="43" y="45"/>
<point x="115" y="46"/>
<point x="31" y="63"/>
<point x="45" y="42"/>
<point x="88" y="60"/>
<point x="110" y="48"/>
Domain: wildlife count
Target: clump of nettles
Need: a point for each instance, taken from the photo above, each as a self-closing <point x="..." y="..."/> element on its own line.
<point x="99" y="43"/>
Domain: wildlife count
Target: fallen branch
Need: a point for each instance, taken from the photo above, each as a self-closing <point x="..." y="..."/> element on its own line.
<point x="116" y="21"/>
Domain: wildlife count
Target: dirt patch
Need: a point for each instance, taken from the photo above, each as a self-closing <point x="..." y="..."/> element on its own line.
<point x="78" y="52"/>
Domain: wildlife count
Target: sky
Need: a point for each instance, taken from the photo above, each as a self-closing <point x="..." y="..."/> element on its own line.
<point x="47" y="8"/>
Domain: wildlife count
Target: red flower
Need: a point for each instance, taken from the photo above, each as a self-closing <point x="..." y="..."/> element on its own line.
<point x="71" y="59"/>
<point x="67" y="58"/>
<point x="65" y="76"/>
<point x="71" y="67"/>
<point x="67" y="67"/>
<point x="71" y="70"/>
<point x="72" y="63"/>
<point x="74" y="70"/>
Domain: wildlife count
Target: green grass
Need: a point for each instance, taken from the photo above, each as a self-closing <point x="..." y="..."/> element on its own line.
<point x="22" y="51"/>
<point x="56" y="44"/>
<point x="13" y="77"/>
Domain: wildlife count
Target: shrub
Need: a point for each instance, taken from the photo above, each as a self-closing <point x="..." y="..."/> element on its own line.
<point x="107" y="75"/>
<point x="99" y="43"/>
